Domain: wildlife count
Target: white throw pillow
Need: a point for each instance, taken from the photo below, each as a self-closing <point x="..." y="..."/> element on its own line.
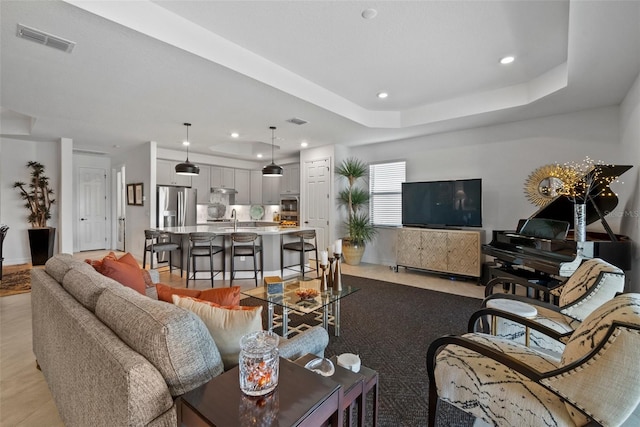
<point x="225" y="324"/>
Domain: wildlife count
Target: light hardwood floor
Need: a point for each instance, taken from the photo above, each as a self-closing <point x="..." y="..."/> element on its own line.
<point x="24" y="397"/>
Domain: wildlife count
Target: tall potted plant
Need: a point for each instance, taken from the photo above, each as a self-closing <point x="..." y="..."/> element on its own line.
<point x="38" y="197"/>
<point x="356" y="199"/>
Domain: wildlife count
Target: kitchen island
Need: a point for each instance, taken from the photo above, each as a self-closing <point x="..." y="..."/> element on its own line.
<point x="271" y="235"/>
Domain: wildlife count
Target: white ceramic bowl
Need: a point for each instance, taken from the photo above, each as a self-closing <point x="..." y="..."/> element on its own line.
<point x="349" y="361"/>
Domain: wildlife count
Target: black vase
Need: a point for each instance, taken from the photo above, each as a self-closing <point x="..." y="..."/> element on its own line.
<point x="41" y="242"/>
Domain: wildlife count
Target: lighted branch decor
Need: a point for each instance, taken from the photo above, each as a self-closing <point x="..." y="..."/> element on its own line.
<point x="584" y="180"/>
<point x="581" y="182"/>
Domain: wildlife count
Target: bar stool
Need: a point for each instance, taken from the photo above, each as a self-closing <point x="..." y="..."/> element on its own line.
<point x="154" y="242"/>
<point x="301" y="246"/>
<point x="201" y="245"/>
<point x="242" y="245"/>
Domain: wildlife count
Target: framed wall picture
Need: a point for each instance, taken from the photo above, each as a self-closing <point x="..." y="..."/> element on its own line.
<point x="139" y="201"/>
<point x="131" y="194"/>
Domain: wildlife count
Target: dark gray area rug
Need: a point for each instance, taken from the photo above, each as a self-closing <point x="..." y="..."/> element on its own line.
<point x="391" y="326"/>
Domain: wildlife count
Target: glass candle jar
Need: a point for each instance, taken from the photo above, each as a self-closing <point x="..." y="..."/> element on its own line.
<point x="259" y="363"/>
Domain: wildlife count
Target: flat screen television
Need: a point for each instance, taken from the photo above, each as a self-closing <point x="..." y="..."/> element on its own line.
<point x="455" y="203"/>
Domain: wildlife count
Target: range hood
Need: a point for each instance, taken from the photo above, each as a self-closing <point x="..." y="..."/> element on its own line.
<point x="223" y="190"/>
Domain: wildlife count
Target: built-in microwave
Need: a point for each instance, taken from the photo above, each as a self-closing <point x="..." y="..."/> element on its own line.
<point x="289" y="209"/>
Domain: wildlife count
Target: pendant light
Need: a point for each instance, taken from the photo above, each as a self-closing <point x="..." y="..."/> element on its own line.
<point x="272" y="169"/>
<point x="187" y="168"/>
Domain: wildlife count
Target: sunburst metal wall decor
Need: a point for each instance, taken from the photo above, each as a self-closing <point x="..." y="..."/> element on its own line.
<point x="544" y="184"/>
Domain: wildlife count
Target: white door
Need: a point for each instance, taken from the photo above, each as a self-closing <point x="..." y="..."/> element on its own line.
<point x="92" y="209"/>
<point x="317" y="203"/>
<point x="120" y="210"/>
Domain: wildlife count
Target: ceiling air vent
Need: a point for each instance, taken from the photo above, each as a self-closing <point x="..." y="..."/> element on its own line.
<point x="45" y="39"/>
<point x="297" y="121"/>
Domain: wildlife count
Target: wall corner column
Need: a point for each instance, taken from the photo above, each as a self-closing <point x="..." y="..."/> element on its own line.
<point x="65" y="197"/>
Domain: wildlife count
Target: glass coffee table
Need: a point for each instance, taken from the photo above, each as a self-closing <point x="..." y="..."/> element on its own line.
<point x="325" y="301"/>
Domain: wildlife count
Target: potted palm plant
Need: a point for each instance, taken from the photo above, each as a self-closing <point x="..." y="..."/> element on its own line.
<point x="356" y="199"/>
<point x="38" y="197"/>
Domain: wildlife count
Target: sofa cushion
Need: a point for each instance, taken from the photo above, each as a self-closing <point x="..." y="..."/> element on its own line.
<point x="225" y="324"/>
<point x="59" y="265"/>
<point x="125" y="274"/>
<point x="174" y="340"/>
<point x="85" y="285"/>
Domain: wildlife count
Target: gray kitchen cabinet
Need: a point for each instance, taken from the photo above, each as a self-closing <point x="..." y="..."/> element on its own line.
<point x="256" y="187"/>
<point x="222" y="177"/>
<point x="290" y="179"/>
<point x="202" y="183"/>
<point x="166" y="174"/>
<point x="242" y="186"/>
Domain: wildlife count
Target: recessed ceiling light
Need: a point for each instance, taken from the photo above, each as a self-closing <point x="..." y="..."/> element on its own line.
<point x="185" y="142"/>
<point x="382" y="95"/>
<point x="259" y="156"/>
<point x="507" y="60"/>
<point x="304" y="144"/>
<point x="235" y="134"/>
<point x="369" y="13"/>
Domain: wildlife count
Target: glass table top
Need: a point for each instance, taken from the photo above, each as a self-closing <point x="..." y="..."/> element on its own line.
<point x="291" y="300"/>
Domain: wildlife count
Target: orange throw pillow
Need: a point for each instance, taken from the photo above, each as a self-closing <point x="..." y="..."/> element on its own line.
<point x="222" y="296"/>
<point x="98" y="263"/>
<point x="165" y="292"/>
<point x="129" y="259"/>
<point x="123" y="273"/>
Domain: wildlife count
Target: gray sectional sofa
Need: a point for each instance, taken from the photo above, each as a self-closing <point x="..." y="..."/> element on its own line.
<point x="114" y="357"/>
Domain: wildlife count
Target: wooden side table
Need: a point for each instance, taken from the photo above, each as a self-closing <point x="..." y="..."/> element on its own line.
<point x="302" y="398"/>
<point x="355" y="386"/>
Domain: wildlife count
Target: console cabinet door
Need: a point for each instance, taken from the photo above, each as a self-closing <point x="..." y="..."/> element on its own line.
<point x="433" y="250"/>
<point x="408" y="248"/>
<point x="463" y="253"/>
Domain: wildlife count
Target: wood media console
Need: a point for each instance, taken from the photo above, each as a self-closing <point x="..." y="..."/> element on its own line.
<point x="455" y="252"/>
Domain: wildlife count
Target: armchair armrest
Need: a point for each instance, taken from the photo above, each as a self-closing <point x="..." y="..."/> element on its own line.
<point x="313" y="340"/>
<point x="521" y="298"/>
<point x="488" y="290"/>
<point x="553" y="334"/>
<point x="436" y="346"/>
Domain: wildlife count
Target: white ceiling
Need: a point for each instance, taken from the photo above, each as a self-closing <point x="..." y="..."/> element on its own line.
<point x="141" y="68"/>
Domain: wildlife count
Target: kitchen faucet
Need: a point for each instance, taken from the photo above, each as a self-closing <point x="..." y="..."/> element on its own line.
<point x="234" y="215"/>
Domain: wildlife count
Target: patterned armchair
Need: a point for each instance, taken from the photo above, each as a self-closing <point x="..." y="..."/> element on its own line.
<point x="593" y="283"/>
<point x="596" y="381"/>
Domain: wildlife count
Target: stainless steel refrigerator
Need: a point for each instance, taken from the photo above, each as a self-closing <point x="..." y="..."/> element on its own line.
<point x="176" y="208"/>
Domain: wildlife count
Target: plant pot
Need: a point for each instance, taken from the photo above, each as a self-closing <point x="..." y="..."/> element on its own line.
<point x="352" y="252"/>
<point x="41" y="242"/>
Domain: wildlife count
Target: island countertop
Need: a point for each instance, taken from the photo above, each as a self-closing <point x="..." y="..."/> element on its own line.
<point x="226" y="229"/>
<point x="271" y="237"/>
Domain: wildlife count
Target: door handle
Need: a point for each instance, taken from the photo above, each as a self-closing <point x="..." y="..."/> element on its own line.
<point x="306" y="222"/>
<point x="83" y="219"/>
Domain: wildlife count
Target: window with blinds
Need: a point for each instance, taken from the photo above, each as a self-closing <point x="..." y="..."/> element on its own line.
<point x="385" y="190"/>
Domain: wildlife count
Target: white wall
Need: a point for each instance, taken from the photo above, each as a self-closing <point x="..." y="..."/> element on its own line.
<point x="137" y="164"/>
<point x="15" y="155"/>
<point x="629" y="211"/>
<point x="503" y="156"/>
